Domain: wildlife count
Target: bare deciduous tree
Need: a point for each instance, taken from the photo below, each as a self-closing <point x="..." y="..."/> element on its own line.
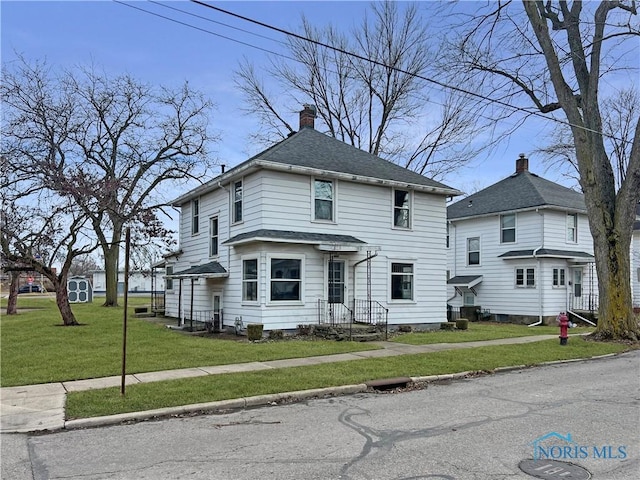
<point x="106" y="143"/>
<point x="556" y="54"/>
<point x="382" y="106"/>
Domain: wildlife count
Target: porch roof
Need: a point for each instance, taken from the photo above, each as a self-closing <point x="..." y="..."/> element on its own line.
<point x="207" y="270"/>
<point x="466" y="281"/>
<point x="546" y="253"/>
<point x="328" y="240"/>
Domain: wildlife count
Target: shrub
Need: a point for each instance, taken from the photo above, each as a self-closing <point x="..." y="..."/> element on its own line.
<point x="448" y="325"/>
<point x="276" y="334"/>
<point x="462" y="324"/>
<point x="254" y="331"/>
<point x="405" y="328"/>
<point x="305" y="330"/>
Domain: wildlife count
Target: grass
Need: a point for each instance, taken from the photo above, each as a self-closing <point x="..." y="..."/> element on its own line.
<point x="36" y="349"/>
<point x="148" y="396"/>
<point x="478" y="331"/>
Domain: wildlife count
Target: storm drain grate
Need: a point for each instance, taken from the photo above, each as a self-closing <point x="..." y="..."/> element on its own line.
<point x="554" y="470"/>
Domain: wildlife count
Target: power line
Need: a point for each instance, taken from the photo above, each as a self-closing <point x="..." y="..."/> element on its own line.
<point x="400" y="70"/>
<point x="203" y="30"/>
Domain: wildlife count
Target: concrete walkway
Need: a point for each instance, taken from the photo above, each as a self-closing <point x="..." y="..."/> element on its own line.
<point x="40" y="407"/>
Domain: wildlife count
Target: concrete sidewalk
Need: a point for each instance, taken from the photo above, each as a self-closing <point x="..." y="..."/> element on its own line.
<point x="40" y="407"/>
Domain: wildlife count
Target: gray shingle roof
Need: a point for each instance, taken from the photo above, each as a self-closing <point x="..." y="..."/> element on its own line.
<point x="306" y="237"/>
<point x="518" y="192"/>
<point x="546" y="252"/>
<point x="311" y="149"/>
<point x="211" y="268"/>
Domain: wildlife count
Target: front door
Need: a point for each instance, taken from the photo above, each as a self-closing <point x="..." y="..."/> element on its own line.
<point x="577" y="288"/>
<point x="336" y="281"/>
<point x="216" y="314"/>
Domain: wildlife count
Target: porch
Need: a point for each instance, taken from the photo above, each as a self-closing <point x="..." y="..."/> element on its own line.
<point x="364" y="312"/>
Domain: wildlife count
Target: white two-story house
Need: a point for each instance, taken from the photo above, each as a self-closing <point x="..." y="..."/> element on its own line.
<point x="522" y="250"/>
<point x="311" y="230"/>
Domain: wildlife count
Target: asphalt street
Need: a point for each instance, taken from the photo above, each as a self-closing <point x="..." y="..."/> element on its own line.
<point x="585" y="413"/>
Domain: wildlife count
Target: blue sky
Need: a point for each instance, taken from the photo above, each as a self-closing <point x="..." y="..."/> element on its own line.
<point x="121" y="39"/>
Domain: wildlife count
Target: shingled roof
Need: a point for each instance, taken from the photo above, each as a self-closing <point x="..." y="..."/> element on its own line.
<point x="320" y="154"/>
<point x="520" y="191"/>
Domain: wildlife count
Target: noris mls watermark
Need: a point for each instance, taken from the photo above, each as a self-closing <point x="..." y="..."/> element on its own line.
<point x="555" y="446"/>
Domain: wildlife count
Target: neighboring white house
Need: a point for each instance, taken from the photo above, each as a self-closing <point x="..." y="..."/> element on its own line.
<point x="521" y="249"/>
<point x="311" y="230"/>
<point x="139" y="281"/>
<point x="635" y="260"/>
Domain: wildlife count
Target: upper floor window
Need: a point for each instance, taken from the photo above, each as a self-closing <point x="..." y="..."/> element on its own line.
<point x="237" y="201"/>
<point x="447" y="242"/>
<point x="401" y="208"/>
<point x="473" y="251"/>
<point x="508" y="228"/>
<point x="526" y="277"/>
<point x="195" y="216"/>
<point x="572" y="227"/>
<point x="250" y="280"/>
<point x="213" y="237"/>
<point x="285" y="279"/>
<point x="558" y="277"/>
<point x="323" y="200"/>
<point x="168" y="284"/>
<point x="402" y="281"/>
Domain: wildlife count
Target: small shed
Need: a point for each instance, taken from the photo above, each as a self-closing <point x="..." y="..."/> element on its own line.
<point x="79" y="290"/>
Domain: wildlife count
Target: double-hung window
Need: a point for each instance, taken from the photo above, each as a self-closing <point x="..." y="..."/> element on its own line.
<point x="250" y="280"/>
<point x="402" y="209"/>
<point x="237" y="201"/>
<point x="572" y="228"/>
<point x="285" y="280"/>
<point x="213" y="237"/>
<point x="473" y="251"/>
<point x="323" y="200"/>
<point x="168" y="284"/>
<point x="558" y="277"/>
<point x="526" y="277"/>
<point x="508" y="228"/>
<point x="402" y="281"/>
<point x="195" y="216"/>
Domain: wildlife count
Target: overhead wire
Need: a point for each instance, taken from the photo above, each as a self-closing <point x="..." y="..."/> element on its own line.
<point x="400" y="70"/>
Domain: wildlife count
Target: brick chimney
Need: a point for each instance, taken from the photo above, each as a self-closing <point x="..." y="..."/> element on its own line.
<point x="307" y="116"/>
<point x="522" y="164"/>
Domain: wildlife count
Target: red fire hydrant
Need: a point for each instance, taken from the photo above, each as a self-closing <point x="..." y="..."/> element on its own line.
<point x="563" y="321"/>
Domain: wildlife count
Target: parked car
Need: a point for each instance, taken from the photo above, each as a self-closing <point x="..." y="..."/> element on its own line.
<point x="30" y="289"/>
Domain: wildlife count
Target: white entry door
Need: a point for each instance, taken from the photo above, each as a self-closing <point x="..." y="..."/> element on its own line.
<point x="336" y="283"/>
<point x="216" y="303"/>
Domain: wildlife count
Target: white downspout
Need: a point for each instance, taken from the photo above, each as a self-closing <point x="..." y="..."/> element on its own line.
<point x="539" y="266"/>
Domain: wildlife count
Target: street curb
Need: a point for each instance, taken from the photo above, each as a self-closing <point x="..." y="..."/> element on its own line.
<point x="294" y="396"/>
<point x="210" y="407"/>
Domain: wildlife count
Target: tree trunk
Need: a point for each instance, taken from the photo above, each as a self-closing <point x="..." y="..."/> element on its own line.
<point x="62" y="299"/>
<point x="615" y="310"/>
<point x="12" y="301"/>
<point x="111" y="257"/>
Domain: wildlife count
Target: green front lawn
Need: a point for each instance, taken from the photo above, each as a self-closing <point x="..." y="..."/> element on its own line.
<point x="36" y="349"/>
<point x="478" y="331"/>
<point x="154" y="395"/>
